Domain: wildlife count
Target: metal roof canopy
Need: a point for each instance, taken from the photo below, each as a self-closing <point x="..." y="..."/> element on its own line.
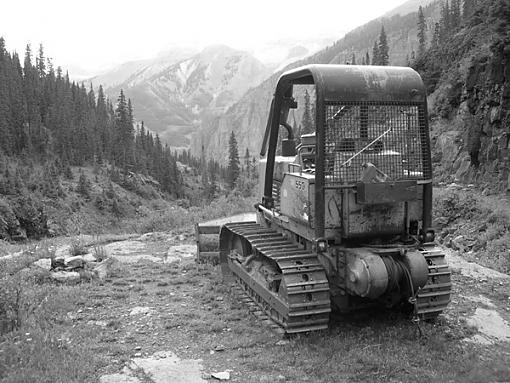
<point x="357" y="82"/>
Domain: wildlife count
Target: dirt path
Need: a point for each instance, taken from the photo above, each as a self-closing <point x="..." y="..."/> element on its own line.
<point x="162" y="318"/>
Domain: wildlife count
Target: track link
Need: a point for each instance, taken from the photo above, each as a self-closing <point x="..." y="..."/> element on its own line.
<point x="433" y="298"/>
<point x="302" y="302"/>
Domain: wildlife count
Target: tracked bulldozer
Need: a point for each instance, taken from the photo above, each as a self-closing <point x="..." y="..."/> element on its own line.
<point x="344" y="220"/>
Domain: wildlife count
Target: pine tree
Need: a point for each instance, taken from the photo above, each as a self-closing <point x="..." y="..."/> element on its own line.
<point x="375" y="54"/>
<point x="247" y="160"/>
<point x="353" y="59"/>
<point x="233" y="162"/>
<point x="467" y="8"/>
<point x="40" y="63"/>
<point x="444" y="21"/>
<point x="306" y="122"/>
<point x="367" y="58"/>
<point x="384" y="57"/>
<point x="422" y="37"/>
<point x="83" y="187"/>
<point x="455" y="16"/>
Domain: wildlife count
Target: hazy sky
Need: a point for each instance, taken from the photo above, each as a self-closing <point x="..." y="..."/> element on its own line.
<point x="94" y="34"/>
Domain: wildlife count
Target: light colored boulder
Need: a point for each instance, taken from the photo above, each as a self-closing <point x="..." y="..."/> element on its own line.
<point x="43" y="263"/>
<point x="89" y="258"/>
<point x="74" y="262"/>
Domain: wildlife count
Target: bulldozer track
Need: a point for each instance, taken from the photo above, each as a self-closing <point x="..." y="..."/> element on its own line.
<point x="302" y="302"/>
<point x="433" y="298"/>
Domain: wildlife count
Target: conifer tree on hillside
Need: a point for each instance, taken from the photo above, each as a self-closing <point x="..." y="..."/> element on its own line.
<point x="233" y="168"/>
<point x="445" y="21"/>
<point x="455" y="16"/>
<point x="367" y="58"/>
<point x="467" y="8"/>
<point x="422" y="37"/>
<point x="375" y="54"/>
<point x="384" y="57"/>
<point x="247" y="161"/>
<point x="46" y="117"/>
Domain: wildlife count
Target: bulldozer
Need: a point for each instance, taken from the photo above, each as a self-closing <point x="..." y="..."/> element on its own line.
<point x="344" y="220"/>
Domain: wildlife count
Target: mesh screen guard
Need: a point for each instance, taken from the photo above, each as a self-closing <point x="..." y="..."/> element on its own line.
<point x="389" y="139"/>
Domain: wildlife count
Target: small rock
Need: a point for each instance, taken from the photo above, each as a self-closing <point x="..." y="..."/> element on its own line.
<point x="138" y="354"/>
<point x="89" y="258"/>
<point x="138" y="348"/>
<point x="100" y="323"/>
<point x="223" y="375"/>
<point x="74" y="262"/>
<point x="282" y="342"/>
<point x="65" y="276"/>
<point x="440" y="222"/>
<point x="43" y="263"/>
<point x="219" y="298"/>
<point x="182" y="237"/>
<point x="62" y="251"/>
<point x="58" y="262"/>
<point x="140" y="311"/>
<point x="458" y="243"/>
<point x="281" y="378"/>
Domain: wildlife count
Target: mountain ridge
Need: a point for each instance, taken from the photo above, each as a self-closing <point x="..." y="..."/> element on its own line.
<point x="247" y="118"/>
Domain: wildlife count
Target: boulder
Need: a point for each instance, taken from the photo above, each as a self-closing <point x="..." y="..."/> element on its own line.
<point x="65" y="276"/>
<point x="89" y="258"/>
<point x="440" y="222"/>
<point x="74" y="262"/>
<point x="43" y="263"/>
<point x="58" y="262"/>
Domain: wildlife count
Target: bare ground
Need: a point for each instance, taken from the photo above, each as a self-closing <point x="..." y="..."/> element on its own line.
<point x="162" y="318"/>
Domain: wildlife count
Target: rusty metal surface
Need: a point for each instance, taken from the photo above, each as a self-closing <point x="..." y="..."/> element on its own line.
<point x="360" y="82"/>
<point x="386" y="192"/>
<point x="433" y="298"/>
<point x="302" y="303"/>
<point x="382" y="98"/>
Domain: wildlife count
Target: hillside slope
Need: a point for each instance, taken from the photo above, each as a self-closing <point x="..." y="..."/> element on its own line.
<point x="172" y="99"/>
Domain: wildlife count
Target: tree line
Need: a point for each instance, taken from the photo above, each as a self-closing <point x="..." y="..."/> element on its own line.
<point x="46" y="117"/>
<point x="453" y="35"/>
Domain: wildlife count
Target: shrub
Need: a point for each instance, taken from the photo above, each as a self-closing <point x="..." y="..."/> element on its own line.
<point x="78" y="248"/>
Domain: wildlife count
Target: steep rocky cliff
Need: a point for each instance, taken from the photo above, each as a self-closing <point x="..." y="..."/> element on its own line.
<point x="470" y="107"/>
